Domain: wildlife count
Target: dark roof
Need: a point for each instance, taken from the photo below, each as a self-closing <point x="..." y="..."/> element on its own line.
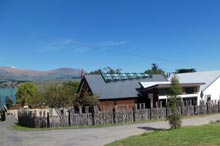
<point x="117" y="89"/>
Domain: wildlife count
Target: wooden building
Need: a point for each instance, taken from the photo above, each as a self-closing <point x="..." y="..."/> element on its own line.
<point x="118" y="89"/>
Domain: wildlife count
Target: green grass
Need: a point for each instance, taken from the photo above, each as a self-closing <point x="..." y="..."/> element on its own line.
<point x="206" y="135"/>
<point x="21" y="128"/>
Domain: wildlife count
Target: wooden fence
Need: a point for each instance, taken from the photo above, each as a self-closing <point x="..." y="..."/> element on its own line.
<point x="28" y="118"/>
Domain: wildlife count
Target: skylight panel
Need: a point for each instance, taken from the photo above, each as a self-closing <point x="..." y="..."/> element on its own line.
<point x="123" y="76"/>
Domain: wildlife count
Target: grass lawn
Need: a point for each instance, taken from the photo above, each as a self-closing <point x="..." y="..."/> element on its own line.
<point x="206" y="135"/>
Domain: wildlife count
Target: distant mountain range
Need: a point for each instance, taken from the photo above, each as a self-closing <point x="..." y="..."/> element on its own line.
<point x="15" y="74"/>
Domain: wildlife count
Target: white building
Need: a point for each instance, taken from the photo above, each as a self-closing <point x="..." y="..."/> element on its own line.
<point x="159" y="91"/>
<point x="210" y="90"/>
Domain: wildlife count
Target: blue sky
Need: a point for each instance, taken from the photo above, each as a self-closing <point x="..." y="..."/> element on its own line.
<point x="127" y="34"/>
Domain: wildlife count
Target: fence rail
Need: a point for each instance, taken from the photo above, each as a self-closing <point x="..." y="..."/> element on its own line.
<point x="29" y="118"/>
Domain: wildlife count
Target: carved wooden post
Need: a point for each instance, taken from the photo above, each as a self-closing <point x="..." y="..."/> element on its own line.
<point x="134" y="112"/>
<point x="48" y="120"/>
<point x="190" y="102"/>
<point x="151" y="108"/>
<point x="80" y="110"/>
<point x="218" y="106"/>
<point x="143" y="105"/>
<point x="115" y="114"/>
<point x="140" y="107"/>
<point x="87" y="109"/>
<point x="161" y="104"/>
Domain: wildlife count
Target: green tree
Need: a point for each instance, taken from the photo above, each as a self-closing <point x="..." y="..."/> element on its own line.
<point x="155" y="70"/>
<point x="8" y="102"/>
<point x="70" y="89"/>
<point x="60" y="95"/>
<point x="27" y="93"/>
<point x="72" y="86"/>
<point x="87" y="99"/>
<point x="173" y="103"/>
<point x="108" y="70"/>
<point x="56" y="96"/>
<point x="96" y="72"/>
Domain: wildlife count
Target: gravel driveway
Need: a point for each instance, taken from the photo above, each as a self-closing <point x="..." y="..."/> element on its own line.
<point x="85" y="137"/>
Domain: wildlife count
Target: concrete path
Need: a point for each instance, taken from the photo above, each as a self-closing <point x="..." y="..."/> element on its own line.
<point x="86" y="137"/>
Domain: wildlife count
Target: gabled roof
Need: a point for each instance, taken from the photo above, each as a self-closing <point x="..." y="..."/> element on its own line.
<point x="199" y="77"/>
<point x="118" y="89"/>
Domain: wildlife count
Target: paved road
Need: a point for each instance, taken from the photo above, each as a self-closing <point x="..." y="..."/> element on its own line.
<point x="85" y="137"/>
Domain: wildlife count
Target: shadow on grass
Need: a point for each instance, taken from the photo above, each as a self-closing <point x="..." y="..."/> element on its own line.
<point x="152" y="129"/>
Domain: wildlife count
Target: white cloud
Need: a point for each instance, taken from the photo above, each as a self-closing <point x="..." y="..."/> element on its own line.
<point x="82" y="47"/>
<point x="111" y="43"/>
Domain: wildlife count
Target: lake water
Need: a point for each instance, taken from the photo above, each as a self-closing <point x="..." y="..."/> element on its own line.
<point x="10" y="92"/>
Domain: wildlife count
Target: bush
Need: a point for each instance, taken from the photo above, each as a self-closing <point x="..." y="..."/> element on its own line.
<point x="173" y="102"/>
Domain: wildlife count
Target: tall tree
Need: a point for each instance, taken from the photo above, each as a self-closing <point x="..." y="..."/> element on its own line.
<point x="70" y="89"/>
<point x="27" y="93"/>
<point x="58" y="96"/>
<point x="173" y="103"/>
<point x="155" y="70"/>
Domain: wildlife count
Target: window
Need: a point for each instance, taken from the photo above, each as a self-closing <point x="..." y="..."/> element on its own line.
<point x="163" y="91"/>
<point x="190" y="90"/>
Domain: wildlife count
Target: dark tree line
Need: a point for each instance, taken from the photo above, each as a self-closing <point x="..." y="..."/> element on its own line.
<point x="106" y="70"/>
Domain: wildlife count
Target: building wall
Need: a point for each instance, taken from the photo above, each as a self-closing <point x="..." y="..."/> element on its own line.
<point x="120" y="103"/>
<point x="146" y="97"/>
<point x="212" y="91"/>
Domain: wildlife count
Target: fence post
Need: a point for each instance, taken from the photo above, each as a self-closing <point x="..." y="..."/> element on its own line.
<point x="48" y="120"/>
<point x="151" y="106"/>
<point x="140" y="107"/>
<point x="161" y="104"/>
<point x="87" y="109"/>
<point x="207" y="107"/>
<point x="87" y="115"/>
<point x="80" y="110"/>
<point x="115" y="110"/>
<point x="69" y="121"/>
<point x="93" y="116"/>
<point x="218" y="104"/>
<point x="143" y="105"/>
<point x="134" y="112"/>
